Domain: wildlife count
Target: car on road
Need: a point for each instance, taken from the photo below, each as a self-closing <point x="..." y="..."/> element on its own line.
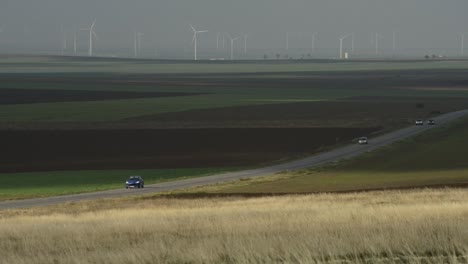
<point x="135" y="182"/>
<point x="431" y="122"/>
<point x="363" y="141"/>
<point x="419" y="122"/>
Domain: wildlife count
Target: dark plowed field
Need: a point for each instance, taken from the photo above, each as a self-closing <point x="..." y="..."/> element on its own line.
<point x="359" y="111"/>
<point x="28" y="96"/>
<point x="170" y="148"/>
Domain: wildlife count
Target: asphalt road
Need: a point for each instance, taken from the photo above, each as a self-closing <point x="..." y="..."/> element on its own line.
<point x="316" y="160"/>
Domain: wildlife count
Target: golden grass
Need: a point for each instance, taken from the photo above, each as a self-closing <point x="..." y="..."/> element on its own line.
<point x="425" y="226"/>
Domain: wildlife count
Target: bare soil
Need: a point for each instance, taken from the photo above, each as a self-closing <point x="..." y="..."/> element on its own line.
<point x="35" y="150"/>
<point x="28" y="96"/>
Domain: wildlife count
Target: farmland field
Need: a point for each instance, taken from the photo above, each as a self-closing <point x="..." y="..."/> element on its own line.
<point x="436" y="158"/>
<point x="78" y="114"/>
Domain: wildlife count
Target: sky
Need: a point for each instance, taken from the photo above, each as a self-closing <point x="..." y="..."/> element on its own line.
<point x="428" y="25"/>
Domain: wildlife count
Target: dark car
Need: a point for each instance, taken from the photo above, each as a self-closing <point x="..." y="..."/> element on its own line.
<point x="135" y="182"/>
<point x="431" y="122"/>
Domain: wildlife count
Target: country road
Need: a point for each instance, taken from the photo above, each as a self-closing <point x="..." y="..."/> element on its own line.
<point x="316" y="160"/>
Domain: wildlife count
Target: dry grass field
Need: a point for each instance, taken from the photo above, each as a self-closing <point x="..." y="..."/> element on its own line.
<point x="422" y="226"/>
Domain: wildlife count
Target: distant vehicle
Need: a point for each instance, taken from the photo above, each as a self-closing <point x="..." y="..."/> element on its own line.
<point x="134" y="182"/>
<point x="431" y="122"/>
<point x="419" y="122"/>
<point x="363" y="141"/>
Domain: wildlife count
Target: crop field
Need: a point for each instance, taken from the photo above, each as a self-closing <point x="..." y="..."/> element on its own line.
<point x="78" y="114"/>
<point x="423" y="226"/>
<point x="436" y="158"/>
<point x="52" y="183"/>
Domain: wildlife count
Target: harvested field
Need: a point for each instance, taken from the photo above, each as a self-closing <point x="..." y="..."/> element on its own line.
<point x="29" y="96"/>
<point x="165" y="148"/>
<point x="353" y="112"/>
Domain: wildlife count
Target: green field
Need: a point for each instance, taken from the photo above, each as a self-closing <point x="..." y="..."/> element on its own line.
<point x="435" y="158"/>
<point x="43" y="184"/>
<point x="39" y="64"/>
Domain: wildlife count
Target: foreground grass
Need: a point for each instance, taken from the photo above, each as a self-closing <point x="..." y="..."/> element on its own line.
<point x="434" y="158"/>
<point x="43" y="184"/>
<point x="426" y="226"/>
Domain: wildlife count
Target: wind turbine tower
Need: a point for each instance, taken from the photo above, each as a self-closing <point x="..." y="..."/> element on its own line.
<point x="195" y="40"/>
<point x="245" y="43"/>
<point x="232" y="45"/>
<point x="314" y="36"/>
<point x="377" y="36"/>
<point x="91" y="34"/>
<point x="74" y="42"/>
<point x="341" y="44"/>
<point x="462" y="46"/>
<point x="137" y="43"/>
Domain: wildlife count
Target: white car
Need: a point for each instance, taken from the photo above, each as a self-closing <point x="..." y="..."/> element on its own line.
<point x="419" y="122"/>
<point x="363" y="141"/>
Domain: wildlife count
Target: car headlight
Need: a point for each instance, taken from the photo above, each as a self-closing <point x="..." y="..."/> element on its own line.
<point x="138" y="182"/>
<point x="127" y="182"/>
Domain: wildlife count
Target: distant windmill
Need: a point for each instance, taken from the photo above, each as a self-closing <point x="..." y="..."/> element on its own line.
<point x="245" y="43"/>
<point x="195" y="40"/>
<point x="314" y="38"/>
<point x="377" y="37"/>
<point x="91" y="34"/>
<point x="137" y="43"/>
<point x="287" y="40"/>
<point x="232" y="45"/>
<point x="462" y="44"/>
<point x="74" y="42"/>
<point x="341" y="44"/>
<point x="64" y="40"/>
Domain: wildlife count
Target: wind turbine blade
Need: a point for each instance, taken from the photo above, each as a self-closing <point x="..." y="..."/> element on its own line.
<point x="202" y="31"/>
<point x="193" y="28"/>
<point x="193" y="39"/>
<point x="94" y="22"/>
<point x="94" y="33"/>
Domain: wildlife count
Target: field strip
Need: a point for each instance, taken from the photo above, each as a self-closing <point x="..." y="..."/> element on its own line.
<point x="316" y="160"/>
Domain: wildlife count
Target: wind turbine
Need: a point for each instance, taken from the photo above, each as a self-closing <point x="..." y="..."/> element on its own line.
<point x="314" y="36"/>
<point x="91" y="34"/>
<point x="64" y="40"/>
<point x="462" y="46"/>
<point x="137" y="43"/>
<point x="352" y="42"/>
<point x="74" y="42"/>
<point x="195" y="40"/>
<point x="377" y="36"/>
<point x="245" y="43"/>
<point x="394" y="42"/>
<point x="217" y="40"/>
<point x="341" y="44"/>
<point x="232" y="45"/>
<point x="287" y="40"/>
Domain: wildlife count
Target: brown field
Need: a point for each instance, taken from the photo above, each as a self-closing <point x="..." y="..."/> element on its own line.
<point x="419" y="226"/>
<point x="29" y="150"/>
<point x="30" y="96"/>
<point x="388" y="112"/>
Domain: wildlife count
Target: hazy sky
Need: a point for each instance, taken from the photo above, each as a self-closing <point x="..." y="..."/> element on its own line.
<point x="418" y="23"/>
